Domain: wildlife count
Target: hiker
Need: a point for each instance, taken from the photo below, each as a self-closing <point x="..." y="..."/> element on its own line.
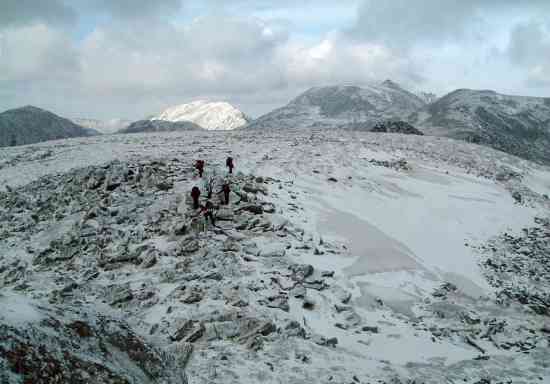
<point x="208" y="211"/>
<point x="226" y="190"/>
<point x="199" y="165"/>
<point x="229" y="164"/>
<point x="195" y="194"/>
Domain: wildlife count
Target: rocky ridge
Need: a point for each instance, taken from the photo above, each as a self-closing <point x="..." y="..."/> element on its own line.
<point x="226" y="304"/>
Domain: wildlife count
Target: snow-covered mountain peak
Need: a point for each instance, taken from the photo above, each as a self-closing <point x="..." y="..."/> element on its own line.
<point x="391" y="84"/>
<point x="209" y="115"/>
<point x="339" y="105"/>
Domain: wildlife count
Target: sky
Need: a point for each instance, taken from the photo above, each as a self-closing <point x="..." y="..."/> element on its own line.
<point x="133" y="58"/>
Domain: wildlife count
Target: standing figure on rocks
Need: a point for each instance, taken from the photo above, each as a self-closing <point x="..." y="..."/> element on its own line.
<point x="226" y="189"/>
<point x="208" y="210"/>
<point x="199" y="165"/>
<point x="195" y="194"/>
<point x="229" y="164"/>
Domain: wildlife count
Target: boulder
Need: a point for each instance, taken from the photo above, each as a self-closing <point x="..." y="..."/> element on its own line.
<point x="256" y="209"/>
<point x="119" y="294"/>
<point x="188" y="245"/>
<point x="230" y="245"/>
<point x="273" y="250"/>
<point x="191" y="296"/>
<point x="149" y="259"/>
<point x="189" y="332"/>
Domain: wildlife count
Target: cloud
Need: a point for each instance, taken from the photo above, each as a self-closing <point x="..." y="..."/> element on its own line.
<point x="129" y="9"/>
<point x="132" y="58"/>
<point x="36" y="52"/>
<point x="210" y="54"/>
<point x="400" y="23"/>
<point x="403" y="24"/>
<point x="24" y="12"/>
<point x="529" y="48"/>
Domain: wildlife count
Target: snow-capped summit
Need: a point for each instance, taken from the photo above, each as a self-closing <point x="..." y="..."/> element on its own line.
<point x="336" y="106"/>
<point x="208" y="115"/>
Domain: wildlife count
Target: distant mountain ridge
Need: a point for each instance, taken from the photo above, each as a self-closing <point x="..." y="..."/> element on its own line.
<point x="519" y="125"/>
<point x="103" y="126"/>
<point x="208" y="115"/>
<point x="29" y="125"/>
<point x="325" y="107"/>
<point x="142" y="126"/>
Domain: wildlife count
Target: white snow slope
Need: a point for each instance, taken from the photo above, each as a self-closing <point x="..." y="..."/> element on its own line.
<point x="104" y="126"/>
<point x="391" y="234"/>
<point x="209" y="115"/>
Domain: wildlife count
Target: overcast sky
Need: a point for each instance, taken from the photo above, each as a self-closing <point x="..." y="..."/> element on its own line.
<point x="131" y="58"/>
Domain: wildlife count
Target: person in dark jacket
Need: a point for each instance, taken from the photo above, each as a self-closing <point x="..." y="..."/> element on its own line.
<point x="195" y="194"/>
<point x="199" y="165"/>
<point x="229" y="164"/>
<point x="226" y="189"/>
<point x="208" y="211"/>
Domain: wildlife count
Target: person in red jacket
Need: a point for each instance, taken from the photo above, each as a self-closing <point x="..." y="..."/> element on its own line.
<point x="229" y="164"/>
<point x="199" y="165"/>
<point x="195" y="194"/>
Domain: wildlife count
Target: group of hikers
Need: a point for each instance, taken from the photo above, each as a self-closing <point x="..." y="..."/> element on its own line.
<point x="208" y="209"/>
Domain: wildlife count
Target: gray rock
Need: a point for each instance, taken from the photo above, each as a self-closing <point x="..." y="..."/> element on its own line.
<point x="278" y="301"/>
<point x="299" y="291"/>
<point x="269" y="207"/>
<point x="188" y="246"/>
<point x="294" y="329"/>
<point x="265" y="328"/>
<point x="179" y="228"/>
<point x="278" y="222"/>
<point x="342" y="308"/>
<point x="182" y="351"/>
<point x="189" y="332"/>
<point x="252" y="208"/>
<point x="342" y="295"/>
<point x="149" y="259"/>
<point x="255" y="188"/>
<point x="224" y="214"/>
<point x="165" y="185"/>
<point x="213" y="276"/>
<point x="301" y="271"/>
<point x="273" y="250"/>
<point x="119" y="294"/>
<point x="192" y="295"/>
<point x="323" y="341"/>
<point x="231" y="246"/>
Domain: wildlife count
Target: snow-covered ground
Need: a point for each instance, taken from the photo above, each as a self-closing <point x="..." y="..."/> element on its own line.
<point x="391" y="224"/>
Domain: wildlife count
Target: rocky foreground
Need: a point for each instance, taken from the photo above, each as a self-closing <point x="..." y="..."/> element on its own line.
<point x="108" y="275"/>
